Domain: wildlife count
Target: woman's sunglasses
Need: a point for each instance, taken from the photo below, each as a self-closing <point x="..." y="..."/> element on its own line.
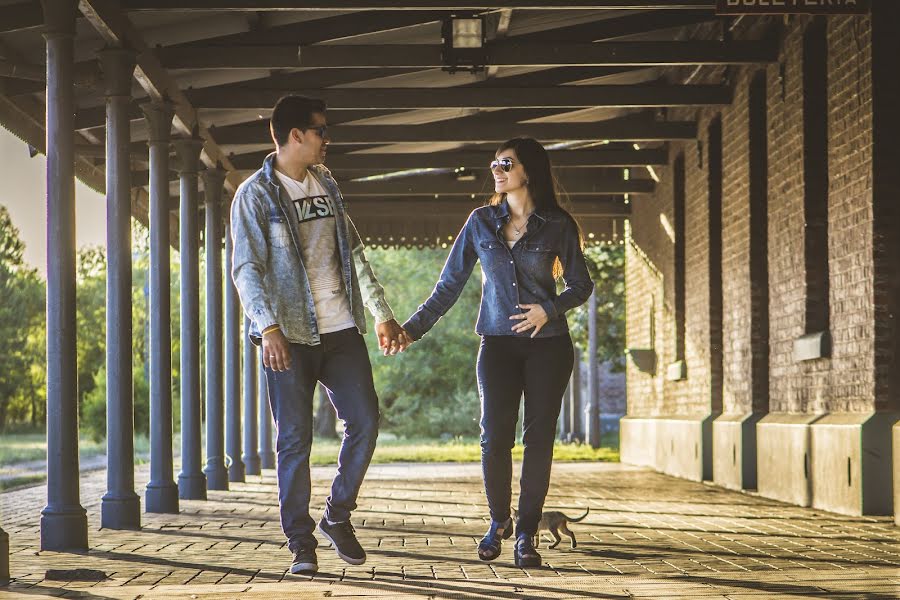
<point x="504" y="163"/>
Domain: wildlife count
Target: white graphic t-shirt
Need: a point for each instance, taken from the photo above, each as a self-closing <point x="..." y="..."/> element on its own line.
<point x="317" y="234"/>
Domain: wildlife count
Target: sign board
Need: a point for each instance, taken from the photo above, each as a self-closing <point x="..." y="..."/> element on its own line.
<point x="793" y="7"/>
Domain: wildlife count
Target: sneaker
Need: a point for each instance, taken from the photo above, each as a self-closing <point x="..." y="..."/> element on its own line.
<point x="304" y="561"/>
<point x="343" y="536"/>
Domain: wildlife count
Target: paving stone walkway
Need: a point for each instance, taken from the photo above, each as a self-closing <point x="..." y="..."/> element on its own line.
<point x="647" y="536"/>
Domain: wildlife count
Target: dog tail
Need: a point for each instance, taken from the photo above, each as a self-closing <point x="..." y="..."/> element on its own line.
<point x="581" y="518"/>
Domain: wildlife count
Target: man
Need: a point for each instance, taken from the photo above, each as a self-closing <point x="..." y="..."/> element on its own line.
<point x="303" y="279"/>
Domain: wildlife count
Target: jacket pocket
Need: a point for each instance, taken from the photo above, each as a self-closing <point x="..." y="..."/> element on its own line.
<point x="279" y="232"/>
<point x="491" y="245"/>
<point x="538" y="247"/>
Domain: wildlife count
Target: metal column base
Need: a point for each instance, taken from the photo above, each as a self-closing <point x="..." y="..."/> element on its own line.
<point x="216" y="475"/>
<point x="4" y="557"/>
<point x="252" y="465"/>
<point x="120" y="512"/>
<point x="267" y="460"/>
<point x="236" y="472"/>
<point x="162" y="498"/>
<point x="192" y="487"/>
<point x="64" y="530"/>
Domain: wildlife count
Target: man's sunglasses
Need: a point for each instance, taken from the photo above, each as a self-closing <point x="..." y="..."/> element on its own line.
<point x="504" y="163"/>
<point x="321" y="131"/>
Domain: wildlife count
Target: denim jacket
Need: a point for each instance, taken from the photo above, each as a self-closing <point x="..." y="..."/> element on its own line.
<point x="513" y="276"/>
<point x="268" y="269"/>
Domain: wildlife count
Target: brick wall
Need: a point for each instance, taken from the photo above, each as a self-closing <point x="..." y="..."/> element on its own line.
<point x="844" y="382"/>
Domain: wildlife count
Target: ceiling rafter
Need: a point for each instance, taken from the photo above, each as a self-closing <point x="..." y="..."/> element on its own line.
<point x="277" y="5"/>
<point x="115" y="27"/>
<point x="471" y="159"/>
<point x="644" y="95"/>
<point x="502" y="53"/>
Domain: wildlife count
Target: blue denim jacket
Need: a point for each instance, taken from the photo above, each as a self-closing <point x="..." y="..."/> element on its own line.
<point x="268" y="268"/>
<point x="513" y="276"/>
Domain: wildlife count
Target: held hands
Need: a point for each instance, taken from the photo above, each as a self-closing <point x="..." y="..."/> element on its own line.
<point x="536" y="317"/>
<point x="276" y="351"/>
<point x="392" y="338"/>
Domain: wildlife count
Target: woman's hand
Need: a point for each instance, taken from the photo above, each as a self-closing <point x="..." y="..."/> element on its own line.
<point x="536" y="317"/>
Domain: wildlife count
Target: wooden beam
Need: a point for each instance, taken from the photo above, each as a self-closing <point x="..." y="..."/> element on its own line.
<point x="626" y="130"/>
<point x="471" y="160"/>
<point x="445" y="185"/>
<point x="622" y="96"/>
<point x="115" y="28"/>
<point x="504" y="53"/>
<point x="361" y="208"/>
<point x="291" y="5"/>
<point x="319" y="30"/>
<point x="24" y="15"/>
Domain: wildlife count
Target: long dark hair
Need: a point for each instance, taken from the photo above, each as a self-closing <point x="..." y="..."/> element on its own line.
<point x="541" y="183"/>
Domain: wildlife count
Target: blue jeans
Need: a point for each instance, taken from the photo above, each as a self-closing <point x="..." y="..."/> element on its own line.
<point x="508" y="367"/>
<point x="341" y="363"/>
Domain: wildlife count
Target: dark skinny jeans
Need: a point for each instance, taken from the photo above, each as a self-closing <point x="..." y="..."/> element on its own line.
<point x="507" y="367"/>
<point x="341" y="363"/>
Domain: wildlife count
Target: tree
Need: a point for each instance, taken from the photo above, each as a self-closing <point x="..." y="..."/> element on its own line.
<point x="606" y="264"/>
<point x="22" y="326"/>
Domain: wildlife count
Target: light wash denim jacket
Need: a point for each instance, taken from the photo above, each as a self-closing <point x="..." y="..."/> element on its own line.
<point x="268" y="268"/>
<point x="513" y="276"/>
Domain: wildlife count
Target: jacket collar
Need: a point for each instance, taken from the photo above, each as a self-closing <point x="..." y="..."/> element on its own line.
<point x="268" y="170"/>
<point x="501" y="212"/>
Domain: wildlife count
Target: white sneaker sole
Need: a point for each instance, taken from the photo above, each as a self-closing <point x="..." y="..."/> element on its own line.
<point x="304" y="568"/>
<point x="345" y="558"/>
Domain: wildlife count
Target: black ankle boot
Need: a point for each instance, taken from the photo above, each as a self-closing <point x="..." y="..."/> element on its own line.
<point x="524" y="553"/>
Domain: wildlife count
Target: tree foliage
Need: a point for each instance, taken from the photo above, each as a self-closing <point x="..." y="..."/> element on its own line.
<point x="22" y="326"/>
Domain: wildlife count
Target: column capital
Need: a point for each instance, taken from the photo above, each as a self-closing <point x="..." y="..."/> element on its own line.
<point x="118" y="69"/>
<point x="159" y="120"/>
<point x="213" y="184"/>
<point x="59" y="17"/>
<point x="188" y="152"/>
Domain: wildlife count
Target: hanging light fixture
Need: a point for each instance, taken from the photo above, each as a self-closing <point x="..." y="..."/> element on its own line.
<point x="463" y="43"/>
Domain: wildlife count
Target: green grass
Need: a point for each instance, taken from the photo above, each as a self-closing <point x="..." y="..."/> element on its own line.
<point x="324" y="452"/>
<point x="22" y="481"/>
<point x="24" y="447"/>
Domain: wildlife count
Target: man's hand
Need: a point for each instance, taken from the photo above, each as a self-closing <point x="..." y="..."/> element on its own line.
<point x="276" y="350"/>
<point x="536" y="317"/>
<point x="392" y="338"/>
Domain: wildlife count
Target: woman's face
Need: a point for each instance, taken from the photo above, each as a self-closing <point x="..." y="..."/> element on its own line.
<point x="511" y="180"/>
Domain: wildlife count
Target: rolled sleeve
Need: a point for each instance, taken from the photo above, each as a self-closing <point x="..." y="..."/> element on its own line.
<point x="576" y="276"/>
<point x="454" y="275"/>
<point x="249" y="231"/>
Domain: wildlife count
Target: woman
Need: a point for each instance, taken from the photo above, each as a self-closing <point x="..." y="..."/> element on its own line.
<point x="524" y="241"/>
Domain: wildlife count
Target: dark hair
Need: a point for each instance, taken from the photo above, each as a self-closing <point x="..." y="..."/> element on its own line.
<point x="293" y="112"/>
<point x="541" y="183"/>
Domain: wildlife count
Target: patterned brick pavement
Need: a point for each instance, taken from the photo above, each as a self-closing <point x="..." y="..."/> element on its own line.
<point x="647" y="536"/>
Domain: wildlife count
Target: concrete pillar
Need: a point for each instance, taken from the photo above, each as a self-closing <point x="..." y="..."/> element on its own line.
<point x="593" y="375"/>
<point x="120" y="507"/>
<point x="232" y="368"/>
<point x="63" y="520"/>
<point x="215" y="470"/>
<point x="251" y="453"/>
<point x="191" y="480"/>
<point x="4" y="557"/>
<point x="266" y="454"/>
<point x="162" y="493"/>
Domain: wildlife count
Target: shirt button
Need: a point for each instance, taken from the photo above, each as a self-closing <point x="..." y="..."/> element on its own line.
<point x="514" y="284"/>
<point x="510" y="262"/>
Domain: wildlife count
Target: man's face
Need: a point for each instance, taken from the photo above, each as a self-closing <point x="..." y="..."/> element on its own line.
<point x="313" y="140"/>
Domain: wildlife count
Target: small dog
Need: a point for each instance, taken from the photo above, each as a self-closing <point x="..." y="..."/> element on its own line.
<point x="555" y="521"/>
